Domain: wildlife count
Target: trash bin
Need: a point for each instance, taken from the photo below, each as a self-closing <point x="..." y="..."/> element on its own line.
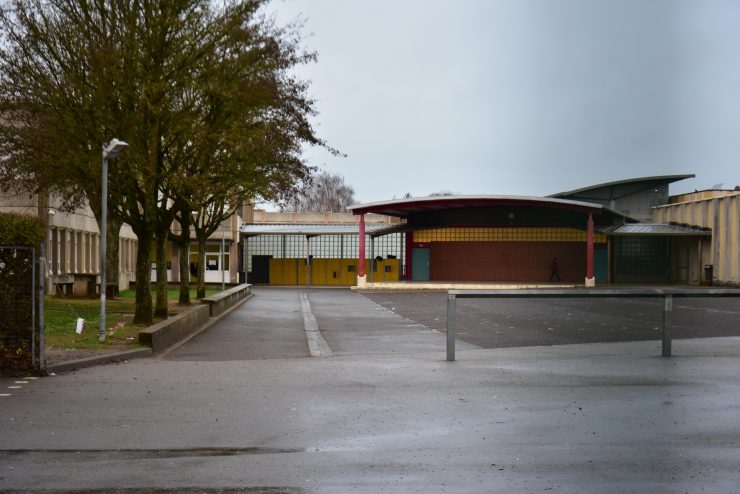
<point x="708" y="274"/>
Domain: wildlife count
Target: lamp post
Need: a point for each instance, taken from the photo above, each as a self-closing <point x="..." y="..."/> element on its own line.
<point x="110" y="150"/>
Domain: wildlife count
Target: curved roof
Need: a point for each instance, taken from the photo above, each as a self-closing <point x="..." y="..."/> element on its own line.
<point x="406" y="207"/>
<point x="658" y="180"/>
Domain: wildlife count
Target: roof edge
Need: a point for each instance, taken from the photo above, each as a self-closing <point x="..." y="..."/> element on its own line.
<point x="372" y="207"/>
<point x="663" y="178"/>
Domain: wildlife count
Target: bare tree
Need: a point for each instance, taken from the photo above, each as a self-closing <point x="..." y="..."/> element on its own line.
<point x="325" y="193"/>
<point x="443" y="193"/>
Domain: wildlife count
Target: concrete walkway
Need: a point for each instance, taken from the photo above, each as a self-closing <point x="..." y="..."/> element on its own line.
<point x="269" y="325"/>
<point x="288" y="322"/>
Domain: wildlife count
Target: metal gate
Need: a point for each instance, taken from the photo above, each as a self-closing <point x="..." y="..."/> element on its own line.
<point x="21" y="311"/>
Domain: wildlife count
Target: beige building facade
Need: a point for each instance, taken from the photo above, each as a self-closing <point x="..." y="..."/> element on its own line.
<point x="720" y="212"/>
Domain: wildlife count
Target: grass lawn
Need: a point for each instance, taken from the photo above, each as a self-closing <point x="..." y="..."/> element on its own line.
<point x="62" y="314"/>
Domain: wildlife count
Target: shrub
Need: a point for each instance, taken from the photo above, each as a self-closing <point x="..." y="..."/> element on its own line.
<point x="20" y="231"/>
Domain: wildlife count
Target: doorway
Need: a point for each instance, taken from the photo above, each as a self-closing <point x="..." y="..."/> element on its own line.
<point x="420" y="264"/>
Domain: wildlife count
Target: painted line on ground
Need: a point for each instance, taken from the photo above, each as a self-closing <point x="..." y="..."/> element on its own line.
<point x="317" y="345"/>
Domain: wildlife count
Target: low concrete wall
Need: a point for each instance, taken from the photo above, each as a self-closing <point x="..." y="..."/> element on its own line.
<point x="223" y="301"/>
<point x="173" y="330"/>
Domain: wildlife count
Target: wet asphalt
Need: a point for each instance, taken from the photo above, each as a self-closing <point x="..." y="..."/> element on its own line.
<point x="243" y="407"/>
<point x="503" y="323"/>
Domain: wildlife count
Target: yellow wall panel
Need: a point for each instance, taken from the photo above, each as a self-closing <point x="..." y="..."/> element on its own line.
<point x="497" y="234"/>
<point x="329" y="272"/>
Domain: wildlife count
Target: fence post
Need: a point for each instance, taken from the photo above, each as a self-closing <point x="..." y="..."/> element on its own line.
<point x="42" y="314"/>
<point x="451" y="306"/>
<point x="667" y="308"/>
<point x="34" y="302"/>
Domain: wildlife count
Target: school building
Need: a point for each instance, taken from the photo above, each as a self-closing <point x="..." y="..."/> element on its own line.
<point x="616" y="232"/>
<point x="624" y="232"/>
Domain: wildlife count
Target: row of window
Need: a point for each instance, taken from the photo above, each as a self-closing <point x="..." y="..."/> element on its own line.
<point x="495" y="234"/>
<point x="324" y="247"/>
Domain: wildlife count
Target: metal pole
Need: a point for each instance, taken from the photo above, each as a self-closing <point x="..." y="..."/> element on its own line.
<point x="309" y="268"/>
<point x="34" y="324"/>
<point x="451" y="307"/>
<point x="361" y="257"/>
<point x="246" y="259"/>
<point x="42" y="293"/>
<point x="373" y="263"/>
<point x="103" y="247"/>
<point x="667" y="308"/>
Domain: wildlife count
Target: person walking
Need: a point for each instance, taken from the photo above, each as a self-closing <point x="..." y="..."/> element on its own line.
<point x="555" y="270"/>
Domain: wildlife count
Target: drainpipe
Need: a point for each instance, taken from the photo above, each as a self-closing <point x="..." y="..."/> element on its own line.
<point x="361" y="278"/>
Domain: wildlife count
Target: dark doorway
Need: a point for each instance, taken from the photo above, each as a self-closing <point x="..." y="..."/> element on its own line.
<point x="260" y="274"/>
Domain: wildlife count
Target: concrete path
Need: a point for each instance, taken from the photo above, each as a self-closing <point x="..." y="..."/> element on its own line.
<point x="294" y="322"/>
<point x="269" y="325"/>
<point x="353" y="324"/>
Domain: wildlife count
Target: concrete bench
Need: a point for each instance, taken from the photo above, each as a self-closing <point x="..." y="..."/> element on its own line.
<point x="175" y="329"/>
<point x="223" y="301"/>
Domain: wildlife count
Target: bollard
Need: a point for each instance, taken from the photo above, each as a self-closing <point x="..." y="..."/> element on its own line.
<point x="667" y="308"/>
<point x="451" y="306"/>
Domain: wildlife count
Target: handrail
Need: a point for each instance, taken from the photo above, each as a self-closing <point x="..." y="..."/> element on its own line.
<point x="666" y="293"/>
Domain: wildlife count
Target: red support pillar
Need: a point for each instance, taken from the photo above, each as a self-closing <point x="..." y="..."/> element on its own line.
<point x="361" y="260"/>
<point x="590" y="281"/>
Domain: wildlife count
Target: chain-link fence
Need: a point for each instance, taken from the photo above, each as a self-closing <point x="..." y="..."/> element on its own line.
<point x="21" y="311"/>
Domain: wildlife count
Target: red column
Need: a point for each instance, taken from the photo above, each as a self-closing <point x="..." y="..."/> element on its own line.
<point x="590" y="248"/>
<point x="361" y="260"/>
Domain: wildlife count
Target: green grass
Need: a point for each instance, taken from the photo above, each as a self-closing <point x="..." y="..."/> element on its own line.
<point x="172" y="293"/>
<point x="61" y="321"/>
<point x="62" y="314"/>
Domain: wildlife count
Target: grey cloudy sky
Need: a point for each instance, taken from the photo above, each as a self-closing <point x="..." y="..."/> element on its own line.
<point x="522" y="97"/>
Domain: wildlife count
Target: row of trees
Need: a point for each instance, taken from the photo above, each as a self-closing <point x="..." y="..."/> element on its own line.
<point x="202" y="91"/>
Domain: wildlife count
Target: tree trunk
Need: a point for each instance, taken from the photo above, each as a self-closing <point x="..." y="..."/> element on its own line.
<point x="160" y="308"/>
<point x="113" y="250"/>
<point x="201" y="267"/>
<point x="183" y="242"/>
<point x="184" y="298"/>
<point x="143" y="310"/>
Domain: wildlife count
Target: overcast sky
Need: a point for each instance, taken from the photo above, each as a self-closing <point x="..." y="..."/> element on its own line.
<point x="522" y="97"/>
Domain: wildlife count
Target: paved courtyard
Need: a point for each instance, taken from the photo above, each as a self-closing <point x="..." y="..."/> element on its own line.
<point x="384" y="412"/>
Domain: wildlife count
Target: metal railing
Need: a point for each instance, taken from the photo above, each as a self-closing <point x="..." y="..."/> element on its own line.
<point x="666" y="294"/>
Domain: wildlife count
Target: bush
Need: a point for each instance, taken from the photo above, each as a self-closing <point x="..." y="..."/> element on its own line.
<point x="16" y="292"/>
<point x="20" y="231"/>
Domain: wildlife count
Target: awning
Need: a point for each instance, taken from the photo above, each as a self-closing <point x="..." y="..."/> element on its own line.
<point x="656" y="229"/>
<point x="373" y="230"/>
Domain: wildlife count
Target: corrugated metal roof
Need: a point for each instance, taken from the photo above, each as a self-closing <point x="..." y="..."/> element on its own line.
<point x="312" y="230"/>
<point x="659" y="229"/>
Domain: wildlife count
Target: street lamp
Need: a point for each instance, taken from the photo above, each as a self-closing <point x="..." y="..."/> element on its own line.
<point x="110" y="150"/>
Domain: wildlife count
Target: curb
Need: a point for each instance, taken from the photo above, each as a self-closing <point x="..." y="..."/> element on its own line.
<point x="108" y="358"/>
